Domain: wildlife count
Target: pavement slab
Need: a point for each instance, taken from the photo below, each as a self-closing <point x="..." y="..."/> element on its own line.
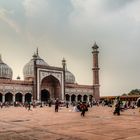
<point x="99" y="123"/>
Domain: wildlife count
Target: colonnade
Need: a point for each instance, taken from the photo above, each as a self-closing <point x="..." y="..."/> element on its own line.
<point x="18" y="97"/>
<point x="76" y="98"/>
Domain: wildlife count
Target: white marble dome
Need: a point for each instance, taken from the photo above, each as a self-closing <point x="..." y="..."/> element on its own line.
<point x="69" y="77"/>
<point x="28" y="70"/>
<point x="5" y="71"/>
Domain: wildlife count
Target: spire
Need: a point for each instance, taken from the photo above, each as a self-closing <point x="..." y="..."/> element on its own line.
<point x="95" y="46"/>
<point x="64" y="63"/>
<point x="37" y="51"/>
<point x="34" y="56"/>
<point x="1" y="59"/>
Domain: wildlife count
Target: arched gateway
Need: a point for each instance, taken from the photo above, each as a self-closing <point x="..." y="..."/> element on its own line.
<point x="50" y="88"/>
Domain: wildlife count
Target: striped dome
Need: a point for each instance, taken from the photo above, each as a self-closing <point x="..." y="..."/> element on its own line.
<point x="5" y="71"/>
<point x="69" y="77"/>
<point x="28" y="70"/>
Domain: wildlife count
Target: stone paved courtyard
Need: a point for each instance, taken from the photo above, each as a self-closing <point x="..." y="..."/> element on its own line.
<point x="44" y="124"/>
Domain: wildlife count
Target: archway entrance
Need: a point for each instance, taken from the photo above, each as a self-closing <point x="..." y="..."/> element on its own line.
<point x="73" y="97"/>
<point x="90" y="98"/>
<point x="45" y="95"/>
<point x="67" y="97"/>
<point x="85" y="98"/>
<point x="18" y="97"/>
<point x="138" y="102"/>
<point x="53" y="88"/>
<point x="0" y="97"/>
<point x="80" y="98"/>
<point x="8" y="97"/>
<point x="28" y="97"/>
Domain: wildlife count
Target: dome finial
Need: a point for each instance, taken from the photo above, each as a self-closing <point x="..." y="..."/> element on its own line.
<point x="34" y="56"/>
<point x="95" y="46"/>
<point x="18" y="77"/>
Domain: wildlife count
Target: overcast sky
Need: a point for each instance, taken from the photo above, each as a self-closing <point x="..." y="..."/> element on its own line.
<point x="69" y="28"/>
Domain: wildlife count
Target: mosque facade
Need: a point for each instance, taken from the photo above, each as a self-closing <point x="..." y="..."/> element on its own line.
<point x="43" y="82"/>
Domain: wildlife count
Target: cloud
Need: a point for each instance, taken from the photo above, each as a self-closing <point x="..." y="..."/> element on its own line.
<point x="34" y="7"/>
<point x="88" y="8"/>
<point x="4" y="16"/>
<point x="97" y="11"/>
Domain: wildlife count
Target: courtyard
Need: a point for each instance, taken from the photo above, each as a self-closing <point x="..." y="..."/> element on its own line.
<point x="99" y="123"/>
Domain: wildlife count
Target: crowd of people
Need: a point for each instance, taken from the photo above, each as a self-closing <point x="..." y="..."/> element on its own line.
<point x="79" y="106"/>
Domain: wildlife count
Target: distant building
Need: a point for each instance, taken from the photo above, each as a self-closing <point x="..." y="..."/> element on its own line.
<point x="122" y="98"/>
<point x="43" y="82"/>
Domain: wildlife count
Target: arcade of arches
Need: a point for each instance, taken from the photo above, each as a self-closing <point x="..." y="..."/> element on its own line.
<point x="75" y="98"/>
<point x="45" y="96"/>
<point x="18" y="97"/>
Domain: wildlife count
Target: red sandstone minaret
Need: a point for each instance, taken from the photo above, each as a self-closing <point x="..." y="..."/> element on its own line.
<point x="96" y="91"/>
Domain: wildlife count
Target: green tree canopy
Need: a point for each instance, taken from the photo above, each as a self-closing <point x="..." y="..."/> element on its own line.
<point x="134" y="92"/>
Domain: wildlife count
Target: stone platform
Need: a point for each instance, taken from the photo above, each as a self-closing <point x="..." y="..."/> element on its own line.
<point x="17" y="123"/>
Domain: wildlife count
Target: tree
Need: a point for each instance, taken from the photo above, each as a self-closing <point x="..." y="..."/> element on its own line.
<point x="134" y="92"/>
<point x="124" y="94"/>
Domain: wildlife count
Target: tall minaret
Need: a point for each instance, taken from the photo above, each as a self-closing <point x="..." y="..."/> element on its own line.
<point x="35" y="75"/>
<point x="64" y="72"/>
<point x="96" y="91"/>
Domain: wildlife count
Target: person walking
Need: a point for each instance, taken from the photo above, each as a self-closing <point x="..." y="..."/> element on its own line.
<point x="67" y="104"/>
<point x="138" y="103"/>
<point x="29" y="106"/>
<point x="56" y="105"/>
<point x="117" y="107"/>
<point x="83" y="108"/>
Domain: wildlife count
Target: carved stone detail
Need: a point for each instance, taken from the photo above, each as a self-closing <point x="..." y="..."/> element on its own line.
<point x="48" y="73"/>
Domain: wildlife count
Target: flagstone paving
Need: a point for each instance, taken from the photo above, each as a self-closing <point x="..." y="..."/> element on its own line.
<point x="99" y="123"/>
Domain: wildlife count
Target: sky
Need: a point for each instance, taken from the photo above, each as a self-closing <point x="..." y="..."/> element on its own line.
<point x="68" y="29"/>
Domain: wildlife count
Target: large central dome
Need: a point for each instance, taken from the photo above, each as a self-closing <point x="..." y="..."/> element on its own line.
<point x="28" y="70"/>
<point x="5" y="71"/>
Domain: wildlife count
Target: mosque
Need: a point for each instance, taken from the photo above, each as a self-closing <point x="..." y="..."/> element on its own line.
<point x="43" y="82"/>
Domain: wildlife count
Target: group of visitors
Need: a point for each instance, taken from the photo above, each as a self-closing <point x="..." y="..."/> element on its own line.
<point x="80" y="106"/>
<point x="121" y="106"/>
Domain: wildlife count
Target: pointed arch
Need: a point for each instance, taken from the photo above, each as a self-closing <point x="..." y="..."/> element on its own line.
<point x="9" y="97"/>
<point x="18" y="97"/>
<point x="28" y="97"/>
<point x="0" y="97"/>
<point x="67" y="97"/>
<point x="79" y="97"/>
<point x="73" y="98"/>
<point x="85" y="98"/>
<point x="52" y="85"/>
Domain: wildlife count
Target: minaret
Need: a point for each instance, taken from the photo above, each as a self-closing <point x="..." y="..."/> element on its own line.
<point x="35" y="76"/>
<point x="64" y="71"/>
<point x="96" y="91"/>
